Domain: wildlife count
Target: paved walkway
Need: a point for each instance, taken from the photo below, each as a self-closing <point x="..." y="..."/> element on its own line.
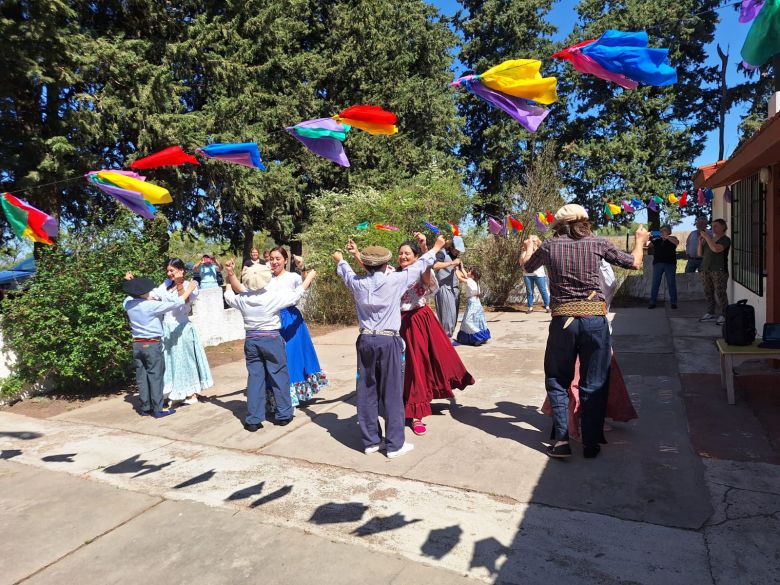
<point x="100" y="495"/>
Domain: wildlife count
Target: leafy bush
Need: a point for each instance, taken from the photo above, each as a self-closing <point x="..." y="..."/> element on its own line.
<point x="497" y="257"/>
<point x="69" y="325"/>
<point x="434" y="196"/>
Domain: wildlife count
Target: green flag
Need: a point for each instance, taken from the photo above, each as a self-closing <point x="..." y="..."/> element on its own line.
<point x="763" y="39"/>
<point x="362" y="226"/>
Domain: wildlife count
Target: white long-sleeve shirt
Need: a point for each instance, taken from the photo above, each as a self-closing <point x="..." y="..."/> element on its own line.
<point x="261" y="308"/>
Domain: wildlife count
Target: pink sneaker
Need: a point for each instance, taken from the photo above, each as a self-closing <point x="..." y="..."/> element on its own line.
<point x="418" y="427"/>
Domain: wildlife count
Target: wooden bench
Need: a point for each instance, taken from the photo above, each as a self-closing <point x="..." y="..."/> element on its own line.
<point x="733" y="355"/>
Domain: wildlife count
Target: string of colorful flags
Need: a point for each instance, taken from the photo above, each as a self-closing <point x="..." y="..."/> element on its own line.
<point x="515" y="86"/>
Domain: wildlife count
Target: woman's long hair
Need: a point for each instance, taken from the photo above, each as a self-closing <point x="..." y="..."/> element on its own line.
<point x="576" y="230"/>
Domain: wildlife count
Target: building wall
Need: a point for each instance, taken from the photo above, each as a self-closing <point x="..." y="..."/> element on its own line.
<point x="213" y="322"/>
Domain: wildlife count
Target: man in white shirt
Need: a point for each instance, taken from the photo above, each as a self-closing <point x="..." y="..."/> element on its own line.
<point x="266" y="360"/>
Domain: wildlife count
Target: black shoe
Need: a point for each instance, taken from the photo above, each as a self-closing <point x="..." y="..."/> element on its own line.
<point x="651" y="306"/>
<point x="253" y="427"/>
<point x="144" y="412"/>
<point x="559" y="452"/>
<point x="591" y="451"/>
<point x="283" y="423"/>
<point x="674" y="306"/>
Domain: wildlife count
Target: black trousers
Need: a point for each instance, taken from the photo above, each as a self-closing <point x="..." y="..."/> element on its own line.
<point x="149" y="372"/>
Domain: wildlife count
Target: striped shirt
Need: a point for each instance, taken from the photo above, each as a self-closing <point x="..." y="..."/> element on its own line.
<point x="574" y="266"/>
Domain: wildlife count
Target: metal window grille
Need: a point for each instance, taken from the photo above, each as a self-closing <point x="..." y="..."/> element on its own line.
<point x="749" y="234"/>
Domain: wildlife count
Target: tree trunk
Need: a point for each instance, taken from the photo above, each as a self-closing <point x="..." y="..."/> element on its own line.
<point x="723" y="106"/>
<point x="249" y="240"/>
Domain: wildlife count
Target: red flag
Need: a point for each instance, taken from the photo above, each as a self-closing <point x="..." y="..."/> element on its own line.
<point x="516" y="225"/>
<point x="550" y="217"/>
<point x="683" y="199"/>
<point x="455" y="229"/>
<point x="372" y="114"/>
<point x="171" y="156"/>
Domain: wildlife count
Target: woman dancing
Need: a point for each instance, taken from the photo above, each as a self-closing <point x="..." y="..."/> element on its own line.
<point x="187" y="371"/>
<point x="306" y="375"/>
<point x="433" y="367"/>
<point x="473" y="327"/>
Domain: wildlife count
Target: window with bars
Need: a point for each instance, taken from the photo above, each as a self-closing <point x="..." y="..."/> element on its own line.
<point x="748" y="229"/>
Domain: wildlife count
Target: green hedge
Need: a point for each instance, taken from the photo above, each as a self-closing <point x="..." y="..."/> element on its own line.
<point x="434" y="196"/>
<point x="69" y="325"/>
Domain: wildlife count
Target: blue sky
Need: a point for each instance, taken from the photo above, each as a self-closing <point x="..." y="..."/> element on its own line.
<point x="730" y="33"/>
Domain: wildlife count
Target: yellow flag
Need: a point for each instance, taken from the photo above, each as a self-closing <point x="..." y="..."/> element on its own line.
<point x="521" y="78"/>
<point x="154" y="194"/>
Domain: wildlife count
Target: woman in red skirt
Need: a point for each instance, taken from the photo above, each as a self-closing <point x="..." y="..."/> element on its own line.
<point x="433" y="367"/>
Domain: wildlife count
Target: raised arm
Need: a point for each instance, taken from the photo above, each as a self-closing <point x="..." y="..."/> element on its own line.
<point x="714" y="246"/>
<point x="235" y="285"/>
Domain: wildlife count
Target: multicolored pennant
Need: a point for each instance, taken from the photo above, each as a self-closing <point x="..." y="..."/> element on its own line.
<point x="517" y="225"/>
<point x="540" y="225"/>
<point x="454" y="228"/>
<point x="27" y="221"/>
<point x="386" y="227"/>
<point x="245" y="153"/>
<point x="324" y="137"/>
<point x="133" y="200"/>
<point x="371" y="119"/>
<point x="608" y="212"/>
<point x="171" y="156"/>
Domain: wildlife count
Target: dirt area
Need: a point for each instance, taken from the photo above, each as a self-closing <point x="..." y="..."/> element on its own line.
<point x="55" y="404"/>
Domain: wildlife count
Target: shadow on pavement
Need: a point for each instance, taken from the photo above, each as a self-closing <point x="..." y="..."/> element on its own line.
<point x="505" y="424"/>
<point x="379" y="524"/>
<point x="23" y="435"/>
<point x="64" y="458"/>
<point x="333" y="513"/>
<point x="203" y="477"/>
<point x="441" y="541"/>
<point x="137" y="466"/>
<point x="280" y="493"/>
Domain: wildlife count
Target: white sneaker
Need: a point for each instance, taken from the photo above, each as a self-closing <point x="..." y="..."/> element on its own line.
<point x="707" y="317"/>
<point x="374" y="448"/>
<point x="721" y="320"/>
<point x="402" y="451"/>
<point x="530" y="310"/>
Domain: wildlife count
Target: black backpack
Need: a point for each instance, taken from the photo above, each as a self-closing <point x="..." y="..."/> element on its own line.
<point x="740" y="325"/>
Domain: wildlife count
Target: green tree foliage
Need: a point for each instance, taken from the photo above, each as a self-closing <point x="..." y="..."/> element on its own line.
<point x="620" y="144"/>
<point x="433" y="195"/>
<point x="92" y="84"/>
<point x="498" y="150"/>
<point x="69" y="325"/>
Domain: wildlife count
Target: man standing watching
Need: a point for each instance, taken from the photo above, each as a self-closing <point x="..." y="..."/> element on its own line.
<point x="579" y="325"/>
<point x="714" y="250"/>
<point x="692" y="245"/>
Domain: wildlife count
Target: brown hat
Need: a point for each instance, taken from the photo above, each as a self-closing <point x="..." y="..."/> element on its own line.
<point x="375" y="256"/>
<point x="569" y="212"/>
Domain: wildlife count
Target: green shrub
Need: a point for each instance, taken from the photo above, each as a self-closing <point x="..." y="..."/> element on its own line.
<point x="433" y="196"/>
<point x="69" y="325"/>
<point x="496" y="257"/>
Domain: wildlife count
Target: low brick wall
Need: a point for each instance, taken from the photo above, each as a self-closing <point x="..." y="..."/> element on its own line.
<point x="689" y="286"/>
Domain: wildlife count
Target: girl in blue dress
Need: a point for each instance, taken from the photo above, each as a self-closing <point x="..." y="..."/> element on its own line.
<point x="473" y="327"/>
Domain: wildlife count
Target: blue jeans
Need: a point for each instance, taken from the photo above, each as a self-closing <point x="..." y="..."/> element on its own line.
<point x="588" y="338"/>
<point x="693" y="265"/>
<point x="659" y="270"/>
<point x="266" y="362"/>
<point x="541" y="284"/>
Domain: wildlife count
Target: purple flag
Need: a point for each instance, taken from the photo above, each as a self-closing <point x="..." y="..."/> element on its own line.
<point x="527" y="114"/>
<point x="494" y="227"/>
<point x="750" y="9"/>
<point x="326" y="147"/>
<point x="727" y="195"/>
<point x="652" y="205"/>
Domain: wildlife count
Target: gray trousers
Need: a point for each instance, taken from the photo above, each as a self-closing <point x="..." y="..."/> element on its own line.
<point x="380" y="379"/>
<point x="447" y="308"/>
<point x="149" y="372"/>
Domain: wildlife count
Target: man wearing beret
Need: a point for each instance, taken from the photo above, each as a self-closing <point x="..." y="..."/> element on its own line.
<point x="579" y="325"/>
<point x="379" y="346"/>
<point x="145" y="316"/>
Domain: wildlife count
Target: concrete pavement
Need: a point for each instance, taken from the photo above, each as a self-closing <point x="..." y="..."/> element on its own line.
<point x="476" y="500"/>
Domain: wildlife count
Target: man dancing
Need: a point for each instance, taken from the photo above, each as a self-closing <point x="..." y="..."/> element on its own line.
<point x="579" y="325"/>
